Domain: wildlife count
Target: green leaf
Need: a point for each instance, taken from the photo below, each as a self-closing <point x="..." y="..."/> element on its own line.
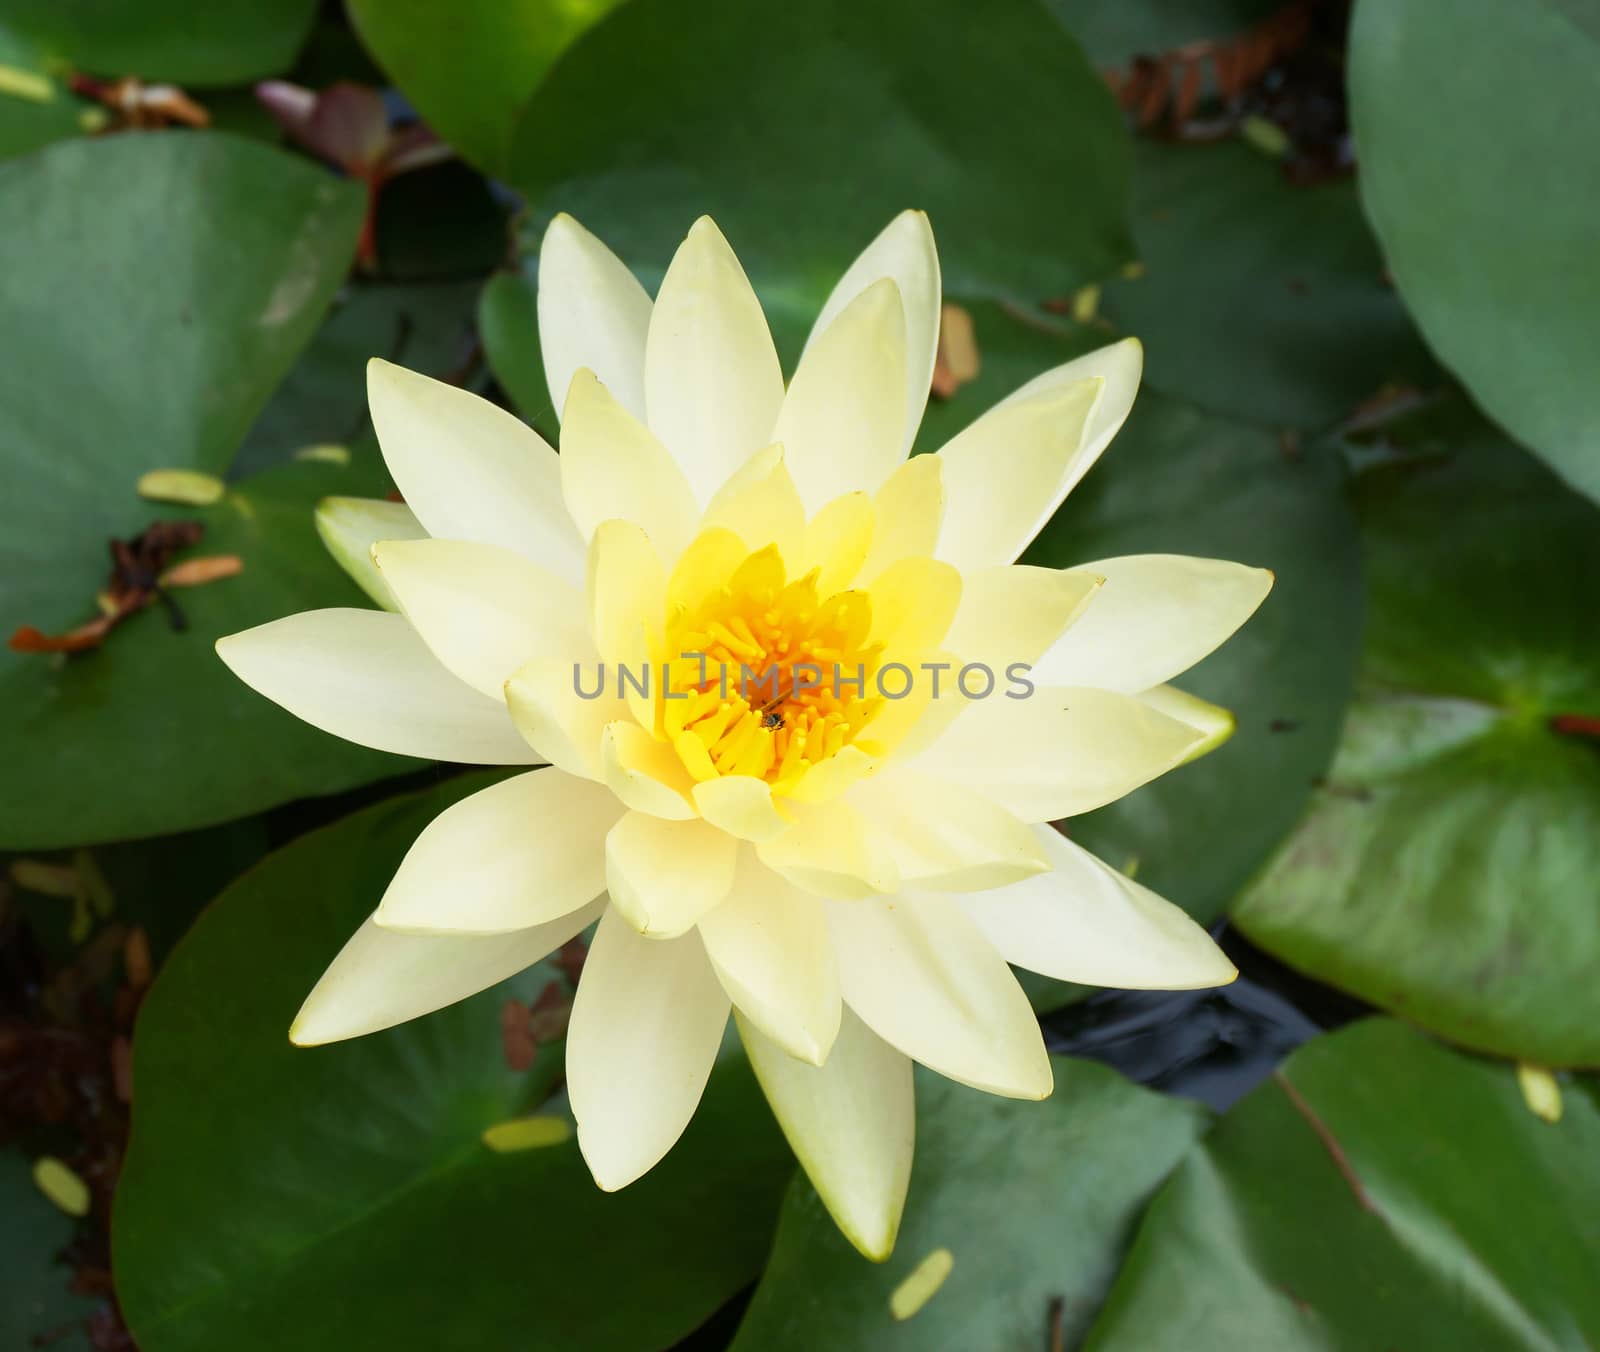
<point x="151" y="733"/>
<point x="508" y="323"/>
<point x="1379" y="1192"/>
<point x="162" y="284"/>
<point x="1258" y="298"/>
<point x="341" y="1197"/>
<point x="469" y="67"/>
<point x="1113" y="32"/>
<point x="1485" y="205"/>
<point x="1035" y="1202"/>
<point x="324" y="398"/>
<point x="1446" y="869"/>
<point x="218" y="43"/>
<point x="804" y="129"/>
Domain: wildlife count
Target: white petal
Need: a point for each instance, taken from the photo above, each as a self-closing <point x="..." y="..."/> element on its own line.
<point x="483" y="610"/>
<point x="741" y="805"/>
<point x="557" y="720"/>
<point x="905" y="252"/>
<point x="382" y="978"/>
<point x="760" y="504"/>
<point x="516" y="854"/>
<point x="366" y="676"/>
<point x="1006" y="474"/>
<point x="349" y="527"/>
<point x="612" y="466"/>
<point x="1156" y="616"/>
<point x="1014" y="613"/>
<point x="769" y="945"/>
<point x="1086" y="922"/>
<point x="851" y="1123"/>
<point x="945" y="836"/>
<point x="1060" y="751"/>
<point x="470" y="470"/>
<point x="842" y="425"/>
<point x="713" y="385"/>
<point x="926" y="981"/>
<point x="664" y="875"/>
<point x="592" y="312"/>
<point x="646" y="1027"/>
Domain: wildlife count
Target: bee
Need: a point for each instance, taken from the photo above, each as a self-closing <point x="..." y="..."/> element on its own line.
<point x="772" y="720"/>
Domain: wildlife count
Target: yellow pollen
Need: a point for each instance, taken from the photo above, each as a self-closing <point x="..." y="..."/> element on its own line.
<point x="760" y="709"/>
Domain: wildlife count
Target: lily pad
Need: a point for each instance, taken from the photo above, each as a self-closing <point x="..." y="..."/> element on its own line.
<point x="36" y="108"/>
<point x="469" y="67"/>
<point x="342" y="1196"/>
<point x="1257" y="298"/>
<point x="1035" y="1203"/>
<point x="803" y="129"/>
<point x="1380" y="1191"/>
<point x="1485" y="205"/>
<point x="150" y="735"/>
<point x="218" y="43"/>
<point x="1446" y="869"/>
<point x="37" y="1304"/>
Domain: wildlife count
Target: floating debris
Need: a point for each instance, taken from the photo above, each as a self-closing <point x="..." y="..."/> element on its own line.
<point x="63" y="1187"/>
<point x="527" y="1133"/>
<point x="187" y="487"/>
<point x="919" y="1288"/>
<point x="957" y="361"/>
<point x="1541" y="1091"/>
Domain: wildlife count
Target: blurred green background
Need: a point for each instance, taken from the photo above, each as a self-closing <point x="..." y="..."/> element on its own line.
<point x="1361" y="250"/>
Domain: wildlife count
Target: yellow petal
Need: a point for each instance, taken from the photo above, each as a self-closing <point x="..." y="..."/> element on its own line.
<point x="905" y="252"/>
<point x="944" y="836"/>
<point x="768" y="943"/>
<point x="1084" y="921"/>
<point x="925" y="980"/>
<point x="611" y="466"/>
<point x="483" y="610"/>
<point x="382" y="978"/>
<point x="646" y="1027"/>
<point x="1006" y="474"/>
<point x="517" y="854"/>
<point x="1014" y="613"/>
<point x="470" y="470"/>
<point x="843" y="419"/>
<point x="910" y="513"/>
<point x="664" y="876"/>
<point x="703" y="568"/>
<point x="592" y="313"/>
<point x="913" y="603"/>
<point x="645" y="773"/>
<point x="741" y="805"/>
<point x="1214" y="723"/>
<point x="1155" y="617"/>
<point x="349" y="527"/>
<point x="713" y="385"/>
<point x="851" y="1123"/>
<point x="829" y="851"/>
<point x="759" y="504"/>
<point x="366" y="676"/>
<point x="553" y="716"/>
<point x="627" y="599"/>
<point x="835" y="542"/>
<point x="1062" y="751"/>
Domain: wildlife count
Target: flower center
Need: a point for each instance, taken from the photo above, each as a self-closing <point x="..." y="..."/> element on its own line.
<point x="779" y="677"/>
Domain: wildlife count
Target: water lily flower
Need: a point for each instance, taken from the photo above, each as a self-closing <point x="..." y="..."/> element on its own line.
<point x="848" y="869"/>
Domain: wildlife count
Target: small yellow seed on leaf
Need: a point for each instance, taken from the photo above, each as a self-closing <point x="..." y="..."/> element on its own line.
<point x="61" y="1185"/>
<point x="1086" y="304"/>
<point x="91" y="120"/>
<point x="26" y="84"/>
<point x="186" y="486"/>
<point x="919" y="1288"/>
<point x="326" y="453"/>
<point x="1541" y="1091"/>
<point x="527" y="1133"/>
